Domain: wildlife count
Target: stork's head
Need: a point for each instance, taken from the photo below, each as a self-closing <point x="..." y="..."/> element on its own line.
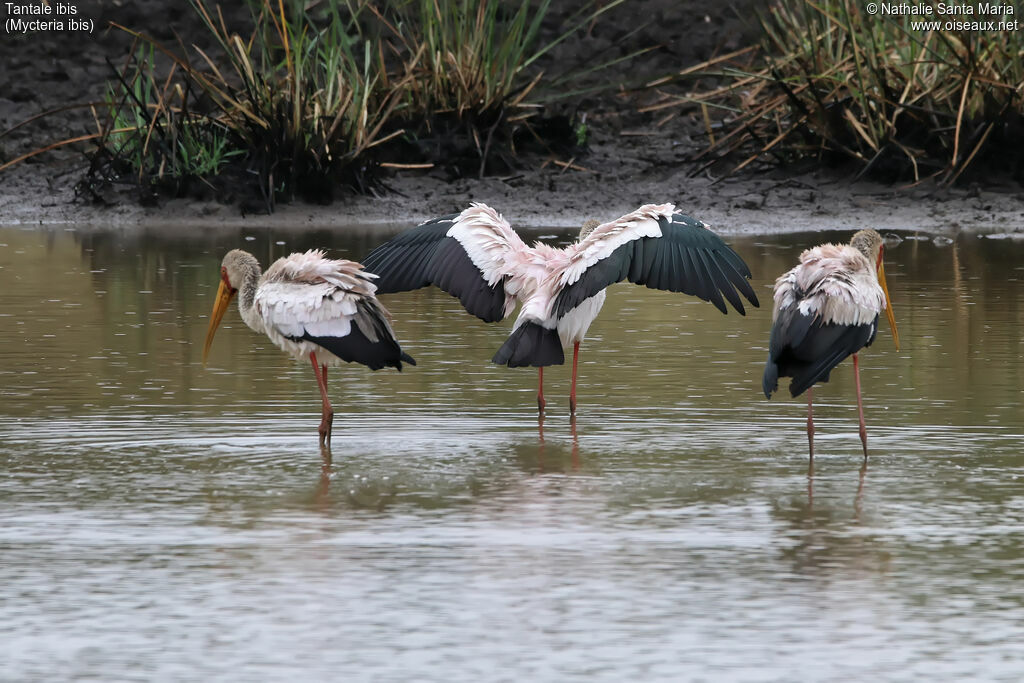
<point x="588" y="227"/>
<point x="235" y="268"/>
<point x="872" y="245"/>
<point x="869" y="243"/>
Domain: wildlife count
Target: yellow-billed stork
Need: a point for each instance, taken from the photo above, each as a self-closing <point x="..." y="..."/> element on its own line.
<point x="826" y="309"/>
<point x="477" y="256"/>
<point x="310" y="306"/>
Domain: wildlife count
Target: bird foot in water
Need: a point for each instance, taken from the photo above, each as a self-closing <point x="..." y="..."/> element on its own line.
<point x="326" y="423"/>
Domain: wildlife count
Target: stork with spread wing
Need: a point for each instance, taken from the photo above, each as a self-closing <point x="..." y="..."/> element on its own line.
<point x="478" y="257"/>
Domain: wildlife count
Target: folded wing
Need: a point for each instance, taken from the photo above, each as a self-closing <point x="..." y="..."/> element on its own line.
<point x="807" y="348"/>
<point x="330" y="303"/>
<point x="826" y="308"/>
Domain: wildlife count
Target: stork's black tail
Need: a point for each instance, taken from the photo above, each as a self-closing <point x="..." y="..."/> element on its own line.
<point x="355" y="347"/>
<point x="530" y="344"/>
<point x="770" y="381"/>
<point x="807" y="349"/>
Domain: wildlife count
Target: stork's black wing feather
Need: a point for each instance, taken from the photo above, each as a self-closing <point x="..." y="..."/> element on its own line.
<point x="426" y="256"/>
<point x="401" y="263"/>
<point x="356" y="347"/>
<point x="687" y="258"/>
<point x="807" y="349"/>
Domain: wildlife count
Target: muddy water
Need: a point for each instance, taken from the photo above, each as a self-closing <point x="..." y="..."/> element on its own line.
<point x="159" y="520"/>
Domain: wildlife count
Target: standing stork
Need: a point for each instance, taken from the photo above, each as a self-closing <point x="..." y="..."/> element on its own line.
<point x="478" y="257"/>
<point x="310" y="306"/>
<point x="826" y="309"/>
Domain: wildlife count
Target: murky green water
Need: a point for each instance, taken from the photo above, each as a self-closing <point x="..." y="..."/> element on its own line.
<point x="162" y="521"/>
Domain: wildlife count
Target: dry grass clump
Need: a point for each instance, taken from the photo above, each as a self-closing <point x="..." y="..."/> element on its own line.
<point x="902" y="101"/>
<point x="321" y="95"/>
<point x="292" y="108"/>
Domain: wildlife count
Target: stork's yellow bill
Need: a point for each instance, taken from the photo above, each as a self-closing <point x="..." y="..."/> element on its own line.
<point x="220" y="306"/>
<point x="888" y="304"/>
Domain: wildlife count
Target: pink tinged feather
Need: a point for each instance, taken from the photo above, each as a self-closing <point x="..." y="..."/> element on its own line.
<point x="488" y="240"/>
<point x="834" y="282"/>
<point x="311" y="267"/>
<point x="494" y="248"/>
<point x="305" y="293"/>
<point x="606" y="238"/>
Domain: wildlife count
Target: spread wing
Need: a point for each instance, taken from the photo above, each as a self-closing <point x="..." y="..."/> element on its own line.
<point x="464" y="255"/>
<point x="658" y="247"/>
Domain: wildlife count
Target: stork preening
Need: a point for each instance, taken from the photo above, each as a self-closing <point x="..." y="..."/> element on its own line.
<point x="478" y="257"/>
<point x="310" y="306"/>
<point x="826" y="309"/>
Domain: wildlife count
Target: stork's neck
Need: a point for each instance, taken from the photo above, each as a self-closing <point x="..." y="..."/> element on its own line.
<point x="247" y="298"/>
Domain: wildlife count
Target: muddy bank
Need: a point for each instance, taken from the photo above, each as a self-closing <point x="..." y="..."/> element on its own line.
<point x="743" y="205"/>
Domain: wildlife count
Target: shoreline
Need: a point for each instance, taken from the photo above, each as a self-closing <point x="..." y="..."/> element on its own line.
<point x="746" y="205"/>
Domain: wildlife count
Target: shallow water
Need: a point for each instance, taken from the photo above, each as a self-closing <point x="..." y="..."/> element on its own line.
<point x="162" y="521"/>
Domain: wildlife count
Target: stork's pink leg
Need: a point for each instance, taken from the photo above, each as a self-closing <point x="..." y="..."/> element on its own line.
<point x="810" y="421"/>
<point x="572" y="391"/>
<point x="540" y="390"/>
<point x="327" y="412"/>
<point x="860" y="406"/>
<point x="330" y="425"/>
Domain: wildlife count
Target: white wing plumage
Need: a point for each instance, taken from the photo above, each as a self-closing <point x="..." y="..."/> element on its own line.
<point x="313" y="266"/>
<point x="606" y="238"/>
<point x="321" y="310"/>
<point x="488" y="240"/>
<point x="309" y="294"/>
